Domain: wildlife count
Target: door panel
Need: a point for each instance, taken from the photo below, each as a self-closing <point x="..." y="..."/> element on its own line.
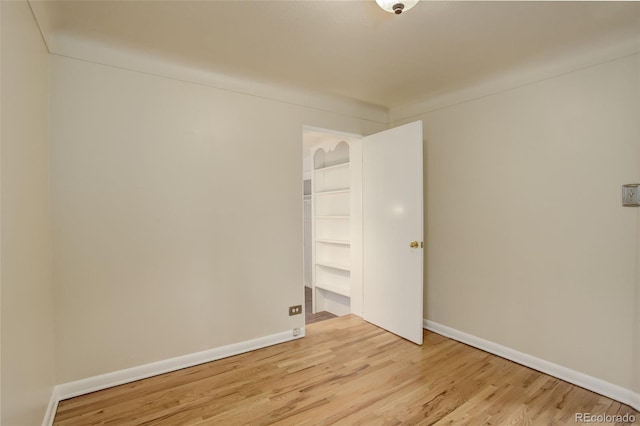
<point x="393" y="218"/>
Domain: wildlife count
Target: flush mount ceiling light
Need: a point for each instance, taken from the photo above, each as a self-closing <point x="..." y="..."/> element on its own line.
<point x="396" y="6"/>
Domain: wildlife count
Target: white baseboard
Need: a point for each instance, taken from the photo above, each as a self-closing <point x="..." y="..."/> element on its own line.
<point x="620" y="394"/>
<point x="104" y="381"/>
<point x="50" y="414"/>
<point x="635" y="400"/>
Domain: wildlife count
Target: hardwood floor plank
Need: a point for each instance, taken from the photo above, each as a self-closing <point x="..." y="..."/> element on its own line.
<point x="345" y="372"/>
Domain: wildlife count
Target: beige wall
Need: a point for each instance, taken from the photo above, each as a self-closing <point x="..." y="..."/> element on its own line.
<point x="636" y="352"/>
<point x="0" y="214"/>
<point x="27" y="294"/>
<point x="636" y="349"/>
<point x="176" y="213"/>
<point x="528" y="244"/>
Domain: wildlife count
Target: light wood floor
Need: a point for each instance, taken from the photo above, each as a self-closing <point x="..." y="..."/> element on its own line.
<point x="345" y="371"/>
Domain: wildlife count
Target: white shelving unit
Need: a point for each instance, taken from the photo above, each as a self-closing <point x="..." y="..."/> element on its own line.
<point x="306" y="208"/>
<point x="332" y="229"/>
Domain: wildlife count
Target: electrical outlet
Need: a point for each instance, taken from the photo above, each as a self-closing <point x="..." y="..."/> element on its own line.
<point x="296" y="332"/>
<point x="295" y="310"/>
<point x="631" y="195"/>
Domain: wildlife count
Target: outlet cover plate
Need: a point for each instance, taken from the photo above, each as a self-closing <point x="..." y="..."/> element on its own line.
<point x="295" y="310"/>
<point x="630" y="195"/>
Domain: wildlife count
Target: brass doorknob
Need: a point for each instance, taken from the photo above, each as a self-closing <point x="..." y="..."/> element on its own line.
<point x="413" y="244"/>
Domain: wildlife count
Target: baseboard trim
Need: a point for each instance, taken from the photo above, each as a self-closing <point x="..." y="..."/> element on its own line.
<point x="620" y="394"/>
<point x="635" y="401"/>
<point x="128" y="375"/>
<point x="50" y="414"/>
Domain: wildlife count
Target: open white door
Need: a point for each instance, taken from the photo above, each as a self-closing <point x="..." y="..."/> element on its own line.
<point x="393" y="230"/>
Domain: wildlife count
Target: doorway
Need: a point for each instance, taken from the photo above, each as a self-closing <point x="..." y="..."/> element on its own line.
<point x="366" y="235"/>
<point x="332" y="224"/>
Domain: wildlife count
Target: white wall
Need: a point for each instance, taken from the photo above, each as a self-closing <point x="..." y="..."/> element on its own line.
<point x="528" y="245"/>
<point x="27" y="294"/>
<point x="177" y="215"/>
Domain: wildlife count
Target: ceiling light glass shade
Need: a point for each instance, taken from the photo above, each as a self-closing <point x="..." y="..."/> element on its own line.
<point x="396" y="6"/>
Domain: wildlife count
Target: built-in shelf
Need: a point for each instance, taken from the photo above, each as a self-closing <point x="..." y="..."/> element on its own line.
<point x="334" y="265"/>
<point x="342" y="290"/>
<point x="340" y="242"/>
<point x="333" y="192"/>
<point x="334" y="167"/>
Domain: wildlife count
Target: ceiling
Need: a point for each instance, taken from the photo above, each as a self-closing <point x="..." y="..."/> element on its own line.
<point x="348" y="49"/>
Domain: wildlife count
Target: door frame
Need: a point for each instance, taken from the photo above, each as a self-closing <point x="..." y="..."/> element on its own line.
<point x="357" y="264"/>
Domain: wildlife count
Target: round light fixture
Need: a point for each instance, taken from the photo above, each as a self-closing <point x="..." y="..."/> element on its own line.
<point x="396" y="6"/>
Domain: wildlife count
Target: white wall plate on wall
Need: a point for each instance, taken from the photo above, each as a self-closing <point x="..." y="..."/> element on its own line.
<point x="630" y="197"/>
